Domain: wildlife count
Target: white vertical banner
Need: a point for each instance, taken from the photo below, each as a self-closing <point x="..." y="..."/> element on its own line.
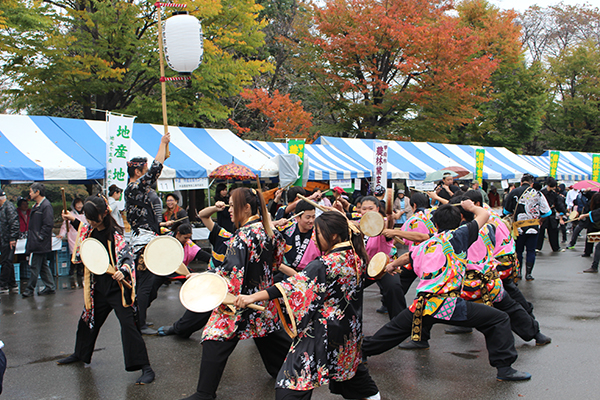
<point x="380" y="152"/>
<point x="119" y="131"/>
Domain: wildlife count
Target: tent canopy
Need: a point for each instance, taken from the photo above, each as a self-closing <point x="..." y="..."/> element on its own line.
<point x="582" y="161"/>
<point x="40" y="148"/>
<point x="325" y="162"/>
<point x="564" y="171"/>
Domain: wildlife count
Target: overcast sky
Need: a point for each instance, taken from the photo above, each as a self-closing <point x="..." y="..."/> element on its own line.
<point x="522" y="5"/>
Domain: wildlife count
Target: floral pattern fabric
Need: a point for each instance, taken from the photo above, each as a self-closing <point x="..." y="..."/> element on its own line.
<point x="138" y="201"/>
<point x="420" y="222"/>
<point x="249" y="263"/>
<point x="326" y="300"/>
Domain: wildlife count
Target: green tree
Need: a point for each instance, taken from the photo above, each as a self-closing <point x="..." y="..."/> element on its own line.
<point x="103" y="54"/>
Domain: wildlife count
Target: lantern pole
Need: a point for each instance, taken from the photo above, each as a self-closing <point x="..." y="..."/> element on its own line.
<point x="163" y="85"/>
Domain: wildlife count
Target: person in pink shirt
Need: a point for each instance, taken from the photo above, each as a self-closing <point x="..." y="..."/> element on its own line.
<point x="75" y="269"/>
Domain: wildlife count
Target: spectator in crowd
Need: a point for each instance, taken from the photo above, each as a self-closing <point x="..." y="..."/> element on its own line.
<point x="223" y="218"/>
<point x="173" y="213"/>
<point x="117" y="205"/>
<point x="23" y="211"/>
<point x="494" y="197"/>
<point x="446" y="189"/>
<point x="39" y="241"/>
<point x="551" y="224"/>
<point x="402" y="207"/>
<point x="75" y="269"/>
<point x="475" y="186"/>
<point x="9" y="233"/>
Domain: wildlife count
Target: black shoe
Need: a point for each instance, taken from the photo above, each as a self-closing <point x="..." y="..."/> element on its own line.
<point x="382" y="310"/>
<point x="166" y="331"/>
<point x="529" y="277"/>
<point x="586" y="255"/>
<point x="148" y="331"/>
<point x="411" y="345"/>
<point x="541" y="339"/>
<point x="511" y="374"/>
<point x="27" y="294"/>
<point x="147" y="376"/>
<point x="195" y="396"/>
<point x="591" y="270"/>
<point x="457" y="330"/>
<point x="46" y="291"/>
<point x="69" y="360"/>
<point x="149" y="323"/>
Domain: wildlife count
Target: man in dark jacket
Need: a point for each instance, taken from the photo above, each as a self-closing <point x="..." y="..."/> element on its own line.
<point x="9" y="233"/>
<point x="551" y="224"/>
<point x="39" y="241"/>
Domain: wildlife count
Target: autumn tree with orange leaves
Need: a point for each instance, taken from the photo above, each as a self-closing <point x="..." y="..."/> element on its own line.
<point x="380" y="67"/>
<point x="280" y="116"/>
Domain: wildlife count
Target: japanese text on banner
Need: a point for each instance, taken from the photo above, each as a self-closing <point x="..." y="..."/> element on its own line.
<point x="296" y="146"/>
<point x="119" y="131"/>
<point x="479" y="159"/>
<point x="596" y="167"/>
<point x="380" y="154"/>
<point x="554" y="155"/>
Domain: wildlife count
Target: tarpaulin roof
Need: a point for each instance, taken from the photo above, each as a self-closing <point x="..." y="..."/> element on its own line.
<point x="581" y="160"/>
<point x="565" y="169"/>
<point x="406" y="160"/>
<point x="51" y="148"/>
<point x="499" y="162"/>
<point x="325" y="162"/>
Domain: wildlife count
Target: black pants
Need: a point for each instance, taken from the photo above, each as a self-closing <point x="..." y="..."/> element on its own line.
<point x="143" y="289"/>
<point x="134" y="348"/>
<point x="407" y="277"/>
<point x="581" y="225"/>
<point x="493" y="323"/>
<point x="273" y="349"/>
<point x="552" y="235"/>
<point x="513" y="290"/>
<point x="521" y="322"/>
<point x="2" y="368"/>
<point x="190" y="322"/>
<point x="359" y="387"/>
<point x="7" y="274"/>
<point x="391" y="290"/>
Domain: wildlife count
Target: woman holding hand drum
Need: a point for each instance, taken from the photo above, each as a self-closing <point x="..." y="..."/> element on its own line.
<point x="325" y="302"/>
<point x="254" y="252"/>
<point x="104" y="293"/>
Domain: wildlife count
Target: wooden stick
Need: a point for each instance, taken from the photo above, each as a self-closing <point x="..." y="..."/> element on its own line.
<point x="180" y="219"/>
<point x="64" y="199"/>
<point x="312" y="203"/>
<point x="296" y="215"/>
<point x="111" y="271"/>
<point x="418" y="190"/>
<point x="163" y="85"/>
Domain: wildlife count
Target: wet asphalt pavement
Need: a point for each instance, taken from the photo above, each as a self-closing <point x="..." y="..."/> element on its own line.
<point x="40" y="330"/>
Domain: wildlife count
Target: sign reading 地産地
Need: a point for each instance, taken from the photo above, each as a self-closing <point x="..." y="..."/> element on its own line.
<point x="119" y="131"/>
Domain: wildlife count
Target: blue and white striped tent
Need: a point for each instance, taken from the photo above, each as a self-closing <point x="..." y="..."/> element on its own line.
<point x="582" y="161"/>
<point x="500" y="163"/>
<point x="48" y="148"/>
<point x="325" y="162"/>
<point x="564" y="171"/>
<point x="406" y="160"/>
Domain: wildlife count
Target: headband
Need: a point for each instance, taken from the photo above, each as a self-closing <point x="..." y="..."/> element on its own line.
<point x="136" y="164"/>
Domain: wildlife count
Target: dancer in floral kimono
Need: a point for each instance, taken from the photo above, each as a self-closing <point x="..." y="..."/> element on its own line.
<point x="325" y="304"/>
<point x="253" y="254"/>
<point x="104" y="293"/>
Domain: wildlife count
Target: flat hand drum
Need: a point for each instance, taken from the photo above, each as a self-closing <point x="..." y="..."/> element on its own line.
<point x="203" y="292"/>
<point x="376" y="268"/>
<point x="593" y="237"/>
<point x="94" y="256"/>
<point x="372" y="224"/>
<point x="163" y="255"/>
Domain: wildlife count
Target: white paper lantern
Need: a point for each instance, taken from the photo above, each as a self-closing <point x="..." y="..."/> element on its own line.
<point x="183" y="42"/>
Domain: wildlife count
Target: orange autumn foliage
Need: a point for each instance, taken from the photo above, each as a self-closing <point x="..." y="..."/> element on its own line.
<point x="285" y="117"/>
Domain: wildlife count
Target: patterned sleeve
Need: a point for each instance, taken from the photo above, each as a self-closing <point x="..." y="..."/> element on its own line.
<point x="278" y="249"/>
<point x="545" y="210"/>
<point x="124" y="257"/>
<point x="151" y="176"/>
<point x="234" y="264"/>
<point x="303" y="292"/>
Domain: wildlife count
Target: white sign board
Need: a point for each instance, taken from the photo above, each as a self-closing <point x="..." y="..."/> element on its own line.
<point x="420" y="185"/>
<point x="165" y="185"/>
<point x="380" y="151"/>
<point x="118" y="143"/>
<point x="343" y="183"/>
<point x="191" y="183"/>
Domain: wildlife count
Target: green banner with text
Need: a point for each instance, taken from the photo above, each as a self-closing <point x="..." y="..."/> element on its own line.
<point x="296" y="146"/>
<point x="596" y="167"/>
<point x="479" y="158"/>
<point x="554" y="156"/>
